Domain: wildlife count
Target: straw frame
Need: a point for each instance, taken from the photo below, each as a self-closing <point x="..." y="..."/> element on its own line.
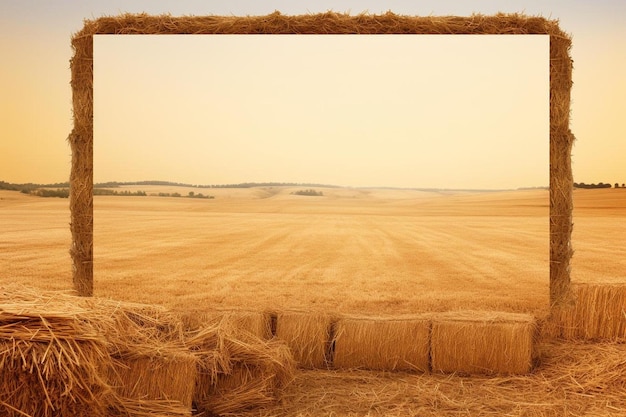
<point x="561" y="137"/>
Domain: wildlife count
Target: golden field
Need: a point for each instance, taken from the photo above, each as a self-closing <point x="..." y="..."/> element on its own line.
<point x="367" y="251"/>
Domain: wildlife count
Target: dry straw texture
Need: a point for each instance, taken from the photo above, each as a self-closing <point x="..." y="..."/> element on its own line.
<point x="573" y="379"/>
<point x="308" y="336"/>
<point x="170" y="377"/>
<point x="238" y="371"/>
<point x="596" y="312"/>
<point x="483" y="343"/>
<point x="85" y="352"/>
<point x="249" y="322"/>
<point x="49" y="364"/>
<point x="66" y="355"/>
<point x="383" y="344"/>
<point x="561" y="138"/>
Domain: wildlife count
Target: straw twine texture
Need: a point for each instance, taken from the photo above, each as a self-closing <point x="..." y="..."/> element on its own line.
<point x="483" y="343"/>
<point x="382" y="344"/>
<point x="596" y="312"/>
<point x="561" y="138"/>
<point x="308" y="335"/>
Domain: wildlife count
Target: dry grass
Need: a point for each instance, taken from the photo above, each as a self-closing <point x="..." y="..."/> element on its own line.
<point x="382" y="344"/>
<point x="483" y="343"/>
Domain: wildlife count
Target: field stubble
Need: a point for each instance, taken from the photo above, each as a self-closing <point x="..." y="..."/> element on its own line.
<point x="352" y="250"/>
<point x="377" y="252"/>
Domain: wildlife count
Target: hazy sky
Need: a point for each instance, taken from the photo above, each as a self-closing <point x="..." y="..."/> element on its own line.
<point x="359" y="113"/>
<point x="405" y="111"/>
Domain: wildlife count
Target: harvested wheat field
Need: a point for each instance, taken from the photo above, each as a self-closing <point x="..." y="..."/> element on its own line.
<point x="353" y="253"/>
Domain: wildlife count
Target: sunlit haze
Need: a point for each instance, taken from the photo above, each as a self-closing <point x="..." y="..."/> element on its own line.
<point x="350" y="110"/>
<point x="395" y="110"/>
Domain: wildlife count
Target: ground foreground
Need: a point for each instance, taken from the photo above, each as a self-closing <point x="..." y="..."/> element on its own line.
<point x="371" y="252"/>
<point x="574" y="379"/>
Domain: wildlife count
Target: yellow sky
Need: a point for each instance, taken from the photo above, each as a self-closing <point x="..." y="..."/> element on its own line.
<point x="404" y="111"/>
<point x="35" y="109"/>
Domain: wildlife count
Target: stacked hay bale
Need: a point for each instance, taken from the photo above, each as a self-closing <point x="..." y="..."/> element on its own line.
<point x="475" y="342"/>
<point x="596" y="312"/>
<point x="152" y="368"/>
<point x="238" y="371"/>
<point x="309" y="336"/>
<point x="390" y="344"/>
<point x="50" y="364"/>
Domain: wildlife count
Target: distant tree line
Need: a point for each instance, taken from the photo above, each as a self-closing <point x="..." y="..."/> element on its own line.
<point x="114" y="184"/>
<point x="26" y="188"/>
<point x="104" y="191"/>
<point x="198" y="195"/>
<point x="309" y="192"/>
<point x="598" y="185"/>
<point x="45" y="192"/>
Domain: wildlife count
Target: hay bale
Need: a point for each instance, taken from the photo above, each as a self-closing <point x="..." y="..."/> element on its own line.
<point x="483" y="343"/>
<point x="596" y="312"/>
<point x="160" y="377"/>
<point x="382" y="344"/>
<point x="92" y="357"/>
<point x="50" y="361"/>
<point x="238" y="371"/>
<point x="308" y="335"/>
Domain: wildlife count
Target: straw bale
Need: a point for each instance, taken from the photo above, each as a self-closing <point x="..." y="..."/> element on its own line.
<point x="383" y="344"/>
<point x="596" y="312"/>
<point x="308" y="335"/>
<point x="159" y="377"/>
<point x="483" y="343"/>
<point x="238" y="371"/>
<point x="561" y="138"/>
<point x="98" y="355"/>
<point x="50" y="364"/>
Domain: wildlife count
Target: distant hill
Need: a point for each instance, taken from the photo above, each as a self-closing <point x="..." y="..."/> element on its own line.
<point x="28" y="187"/>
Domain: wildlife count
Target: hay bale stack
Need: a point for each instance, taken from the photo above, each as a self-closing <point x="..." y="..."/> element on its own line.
<point x="308" y="335"/>
<point x="596" y="312"/>
<point x="483" y="343"/>
<point x="93" y="357"/>
<point x="383" y="344"/>
<point x="238" y="371"/>
<point x="152" y="368"/>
